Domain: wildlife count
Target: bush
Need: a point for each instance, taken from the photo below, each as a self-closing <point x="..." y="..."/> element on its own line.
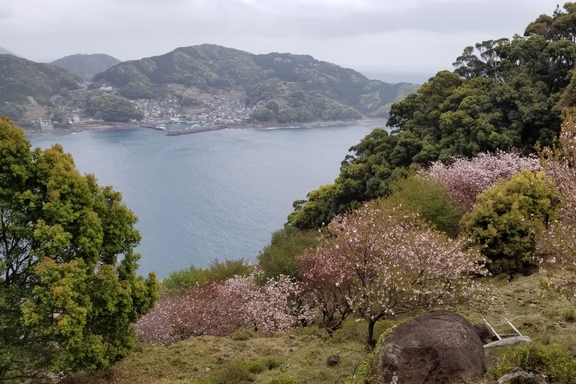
<point x="569" y="316"/>
<point x="429" y="199"/>
<point x="508" y="217"/>
<point x="221" y="309"/>
<point x="278" y="257"/>
<point x="555" y="362"/>
<point x="234" y="372"/>
<point x="217" y="272"/>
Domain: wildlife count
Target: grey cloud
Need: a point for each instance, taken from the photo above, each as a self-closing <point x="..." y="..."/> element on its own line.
<point x="445" y="17"/>
<point x="379" y="33"/>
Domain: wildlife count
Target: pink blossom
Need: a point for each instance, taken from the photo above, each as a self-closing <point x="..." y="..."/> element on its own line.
<point x="222" y="308"/>
<point x="466" y="178"/>
<point x="381" y="260"/>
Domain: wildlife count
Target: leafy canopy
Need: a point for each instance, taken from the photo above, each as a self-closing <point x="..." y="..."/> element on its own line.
<point x="508" y="217"/>
<point x="68" y="285"/>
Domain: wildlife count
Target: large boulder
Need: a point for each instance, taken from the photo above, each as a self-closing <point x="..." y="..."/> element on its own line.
<point x="438" y="347"/>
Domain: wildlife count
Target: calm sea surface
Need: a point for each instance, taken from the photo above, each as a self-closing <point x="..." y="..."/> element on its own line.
<point x="211" y="195"/>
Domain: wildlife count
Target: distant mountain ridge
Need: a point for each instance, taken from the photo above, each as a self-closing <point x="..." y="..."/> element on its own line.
<point x="281" y="86"/>
<point x="86" y="65"/>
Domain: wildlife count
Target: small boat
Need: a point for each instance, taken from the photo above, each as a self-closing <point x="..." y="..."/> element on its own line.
<point x="160" y="127"/>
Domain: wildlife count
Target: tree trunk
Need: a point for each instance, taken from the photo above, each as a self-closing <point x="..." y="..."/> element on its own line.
<point x="370" y="342"/>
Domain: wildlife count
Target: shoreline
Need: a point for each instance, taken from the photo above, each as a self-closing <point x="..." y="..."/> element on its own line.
<point x="212" y="127"/>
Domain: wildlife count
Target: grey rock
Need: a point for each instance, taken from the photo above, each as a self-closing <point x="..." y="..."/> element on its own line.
<point x="333" y="360"/>
<point x="438" y="347"/>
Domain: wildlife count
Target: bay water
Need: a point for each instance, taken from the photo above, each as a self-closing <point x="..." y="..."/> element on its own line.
<point x="210" y="195"/>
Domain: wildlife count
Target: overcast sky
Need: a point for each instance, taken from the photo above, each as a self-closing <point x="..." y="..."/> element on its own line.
<point x="401" y="40"/>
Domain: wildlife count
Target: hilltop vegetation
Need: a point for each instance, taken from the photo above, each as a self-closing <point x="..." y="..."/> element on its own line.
<point x="503" y="94"/>
<point x="111" y="108"/>
<point x="21" y="78"/>
<point x="285" y="87"/>
<point x="86" y="66"/>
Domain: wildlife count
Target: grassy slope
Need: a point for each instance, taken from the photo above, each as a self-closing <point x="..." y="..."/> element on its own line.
<point x="301" y="354"/>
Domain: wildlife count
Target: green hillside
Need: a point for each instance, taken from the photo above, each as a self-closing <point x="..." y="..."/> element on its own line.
<point x="21" y="78"/>
<point x="283" y="87"/>
<point x="86" y="66"/>
<point x="26" y="88"/>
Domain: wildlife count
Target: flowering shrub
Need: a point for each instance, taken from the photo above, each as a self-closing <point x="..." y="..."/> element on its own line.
<point x="382" y="260"/>
<point x="466" y="178"/>
<point x="222" y="308"/>
<point x="328" y="285"/>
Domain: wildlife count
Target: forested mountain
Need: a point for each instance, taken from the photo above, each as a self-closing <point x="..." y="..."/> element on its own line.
<point x="286" y="87"/>
<point x="86" y="66"/>
<point x="21" y="79"/>
<point x="503" y="94"/>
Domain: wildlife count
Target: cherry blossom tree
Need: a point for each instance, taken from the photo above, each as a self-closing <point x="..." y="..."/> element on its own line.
<point x="559" y="163"/>
<point x="222" y="308"/>
<point x="466" y="178"/>
<point x="556" y="247"/>
<point x="328" y="285"/>
<point x="383" y="261"/>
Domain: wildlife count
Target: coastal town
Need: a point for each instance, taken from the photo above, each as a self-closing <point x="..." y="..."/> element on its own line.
<point x="216" y="111"/>
<point x="207" y="113"/>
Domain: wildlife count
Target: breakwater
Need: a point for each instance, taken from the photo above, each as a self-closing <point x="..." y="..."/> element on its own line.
<point x="190" y="130"/>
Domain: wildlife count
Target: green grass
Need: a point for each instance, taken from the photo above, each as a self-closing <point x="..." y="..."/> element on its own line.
<point x="299" y="356"/>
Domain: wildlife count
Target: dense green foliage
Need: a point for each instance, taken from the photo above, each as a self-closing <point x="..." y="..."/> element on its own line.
<point x="111" y="108"/>
<point x="430" y="200"/>
<point x="22" y="78"/>
<point x="278" y="257"/>
<point x="503" y="94"/>
<point x="86" y="66"/>
<point x="283" y="87"/>
<point x="507" y="218"/>
<point x="217" y="272"/>
<point x="69" y="292"/>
